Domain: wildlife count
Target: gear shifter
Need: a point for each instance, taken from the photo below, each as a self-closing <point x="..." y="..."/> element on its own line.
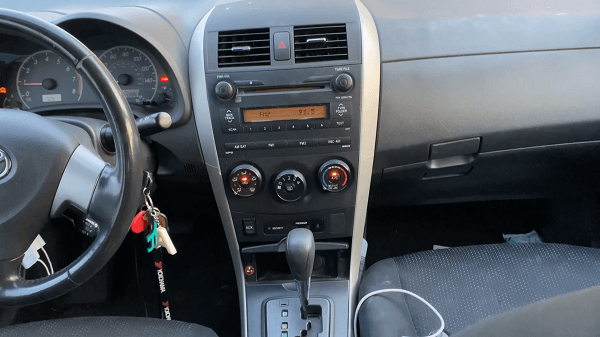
<point x="300" y="254"/>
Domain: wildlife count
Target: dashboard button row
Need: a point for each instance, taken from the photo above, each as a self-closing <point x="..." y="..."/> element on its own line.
<point x="279" y="144"/>
<point x="229" y="129"/>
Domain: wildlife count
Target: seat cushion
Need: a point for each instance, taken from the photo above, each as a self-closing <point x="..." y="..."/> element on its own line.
<point x="574" y="314"/>
<point x="107" y="326"/>
<point x="469" y="284"/>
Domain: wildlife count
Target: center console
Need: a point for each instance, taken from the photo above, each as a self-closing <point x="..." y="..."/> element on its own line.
<point x="287" y="142"/>
<point x="286" y="115"/>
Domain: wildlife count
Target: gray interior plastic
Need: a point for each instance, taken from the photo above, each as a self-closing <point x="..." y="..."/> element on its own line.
<point x="415" y="29"/>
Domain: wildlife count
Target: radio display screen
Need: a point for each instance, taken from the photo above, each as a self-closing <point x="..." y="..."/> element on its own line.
<point x="285" y="114"/>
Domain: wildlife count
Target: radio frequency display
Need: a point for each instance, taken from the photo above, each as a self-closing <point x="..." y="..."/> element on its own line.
<point x="284" y="114"/>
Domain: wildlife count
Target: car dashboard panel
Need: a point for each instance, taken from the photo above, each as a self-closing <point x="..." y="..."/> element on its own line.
<point x="36" y="79"/>
<point x="485" y="101"/>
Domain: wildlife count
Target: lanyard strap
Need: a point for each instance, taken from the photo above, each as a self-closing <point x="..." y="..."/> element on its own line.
<point x="165" y="310"/>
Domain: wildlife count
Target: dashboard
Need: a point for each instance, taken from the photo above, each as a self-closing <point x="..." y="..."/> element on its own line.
<point x="36" y="79"/>
<point x="306" y="114"/>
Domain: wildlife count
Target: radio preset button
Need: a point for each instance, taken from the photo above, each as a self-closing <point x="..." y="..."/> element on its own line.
<point x="229" y="116"/>
<point x="341" y="110"/>
<point x="303" y="143"/>
<point x="250" y="129"/>
<point x="321" y="125"/>
<point x="240" y="146"/>
<point x="232" y="129"/>
<point x="341" y="123"/>
<point x="307" y="126"/>
<point x="276" y="144"/>
<point x="295" y="126"/>
<point x="279" y="127"/>
<point x="264" y="128"/>
<point x="334" y="141"/>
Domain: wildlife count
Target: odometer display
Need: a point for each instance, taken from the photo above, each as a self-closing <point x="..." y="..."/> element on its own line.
<point x="284" y="114"/>
<point x="134" y="71"/>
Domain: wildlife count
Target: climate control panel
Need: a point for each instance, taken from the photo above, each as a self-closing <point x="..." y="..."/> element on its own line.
<point x="290" y="185"/>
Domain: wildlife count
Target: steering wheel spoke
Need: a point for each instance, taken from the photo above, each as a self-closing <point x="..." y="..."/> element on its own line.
<point x="78" y="182"/>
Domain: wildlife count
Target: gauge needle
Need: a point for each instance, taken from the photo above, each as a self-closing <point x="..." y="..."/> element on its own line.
<point x="30" y="84"/>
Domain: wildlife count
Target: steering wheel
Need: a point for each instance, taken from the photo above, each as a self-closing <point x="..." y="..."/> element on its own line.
<point x="44" y="169"/>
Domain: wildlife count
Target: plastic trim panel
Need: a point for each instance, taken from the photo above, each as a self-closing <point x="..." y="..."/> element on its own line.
<point x="209" y="149"/>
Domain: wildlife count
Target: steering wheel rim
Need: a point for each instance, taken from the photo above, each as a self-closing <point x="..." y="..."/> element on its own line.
<point x="117" y="191"/>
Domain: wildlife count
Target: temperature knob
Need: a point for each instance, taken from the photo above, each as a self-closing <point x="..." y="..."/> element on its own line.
<point x="245" y="180"/>
<point x="290" y="185"/>
<point x="334" y="175"/>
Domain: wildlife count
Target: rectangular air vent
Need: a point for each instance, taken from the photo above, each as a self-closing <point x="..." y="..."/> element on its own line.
<point x="320" y="43"/>
<point x="244" y="48"/>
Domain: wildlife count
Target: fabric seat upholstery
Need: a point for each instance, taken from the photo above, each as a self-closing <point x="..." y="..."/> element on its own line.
<point x="469" y="284"/>
<point x="107" y="326"/>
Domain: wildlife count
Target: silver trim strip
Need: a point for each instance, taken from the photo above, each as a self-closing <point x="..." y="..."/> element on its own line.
<point x="209" y="151"/>
<point x="371" y="69"/>
<point x="78" y="181"/>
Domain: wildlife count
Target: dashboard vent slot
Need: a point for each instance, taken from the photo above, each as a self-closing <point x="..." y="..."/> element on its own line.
<point x="244" y="48"/>
<point x="320" y="43"/>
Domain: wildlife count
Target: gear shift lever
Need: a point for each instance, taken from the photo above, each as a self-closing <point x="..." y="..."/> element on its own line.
<point x="300" y="254"/>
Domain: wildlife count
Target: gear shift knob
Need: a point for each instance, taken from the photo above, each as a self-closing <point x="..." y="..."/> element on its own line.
<point x="300" y="254"/>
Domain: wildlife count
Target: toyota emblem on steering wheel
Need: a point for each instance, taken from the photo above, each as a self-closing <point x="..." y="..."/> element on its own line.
<point x="4" y="164"/>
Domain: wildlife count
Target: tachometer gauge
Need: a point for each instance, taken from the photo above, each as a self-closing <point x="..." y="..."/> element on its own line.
<point x="45" y="78"/>
<point x="134" y="71"/>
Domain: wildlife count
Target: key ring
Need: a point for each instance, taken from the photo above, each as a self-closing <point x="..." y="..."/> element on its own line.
<point x="147" y="198"/>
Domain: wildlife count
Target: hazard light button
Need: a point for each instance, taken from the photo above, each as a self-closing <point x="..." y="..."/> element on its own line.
<point x="281" y="46"/>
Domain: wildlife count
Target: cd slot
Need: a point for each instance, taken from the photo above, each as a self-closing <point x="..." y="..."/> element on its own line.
<point x="281" y="89"/>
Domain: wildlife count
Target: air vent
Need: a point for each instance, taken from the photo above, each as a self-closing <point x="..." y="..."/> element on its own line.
<point x="244" y="48"/>
<point x="320" y="43"/>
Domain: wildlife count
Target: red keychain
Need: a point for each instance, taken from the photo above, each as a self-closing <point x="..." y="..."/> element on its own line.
<point x="139" y="222"/>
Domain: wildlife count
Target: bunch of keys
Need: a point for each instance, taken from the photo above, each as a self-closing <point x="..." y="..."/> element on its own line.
<point x="154" y="224"/>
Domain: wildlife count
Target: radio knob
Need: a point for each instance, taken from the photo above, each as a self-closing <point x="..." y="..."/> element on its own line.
<point x="225" y="90"/>
<point x="290" y="185"/>
<point x="245" y="180"/>
<point x="343" y="83"/>
<point x="334" y="175"/>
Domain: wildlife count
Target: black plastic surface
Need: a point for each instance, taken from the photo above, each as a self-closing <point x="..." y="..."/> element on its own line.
<point x="238" y="131"/>
<point x="300" y="253"/>
<point x="39" y="150"/>
<point x="329" y="224"/>
<point x="521" y="173"/>
<point x="454" y="148"/>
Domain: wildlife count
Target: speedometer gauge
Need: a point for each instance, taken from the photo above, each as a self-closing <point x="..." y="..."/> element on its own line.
<point x="45" y="78"/>
<point x="134" y="71"/>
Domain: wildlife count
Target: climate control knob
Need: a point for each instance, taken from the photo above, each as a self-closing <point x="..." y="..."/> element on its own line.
<point x="290" y="185"/>
<point x="334" y="175"/>
<point x="245" y="180"/>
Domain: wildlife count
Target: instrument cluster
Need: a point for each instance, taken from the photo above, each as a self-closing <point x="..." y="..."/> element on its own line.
<point x="37" y="79"/>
